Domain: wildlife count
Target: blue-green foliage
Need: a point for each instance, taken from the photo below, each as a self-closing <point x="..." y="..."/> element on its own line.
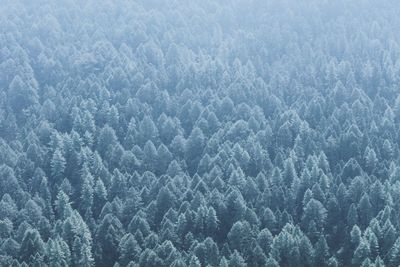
<point x="199" y="133"/>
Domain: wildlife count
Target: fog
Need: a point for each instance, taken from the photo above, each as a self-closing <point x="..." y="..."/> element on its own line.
<point x="199" y="133"/>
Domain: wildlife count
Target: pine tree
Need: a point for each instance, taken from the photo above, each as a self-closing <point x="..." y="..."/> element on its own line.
<point x="355" y="236"/>
<point x="129" y="250"/>
<point x="58" y="253"/>
<point x="264" y="240"/>
<point x="223" y="262"/>
<point x="131" y="205"/>
<point x="370" y="159"/>
<point x="165" y="200"/>
<point x="108" y="236"/>
<point x="379" y="262"/>
<point x="306" y="252"/>
<point x="194" y="261"/>
<point x="147" y="131"/>
<point x="150" y="156"/>
<point x="289" y="172"/>
<point x="314" y="210"/>
<point x="393" y="254"/>
<point x="99" y="197"/>
<point x="321" y="252"/>
<point x="22" y="94"/>
<point x="236" y="260"/>
<point x="32" y="247"/>
<point x="63" y="206"/>
<point x="86" y="202"/>
<point x="240" y="236"/>
<point x="361" y="253"/>
<point x="352" y="215"/>
<point x="57" y="166"/>
<point x="365" y="210"/>
<point x="76" y="234"/>
<point x="194" y="148"/>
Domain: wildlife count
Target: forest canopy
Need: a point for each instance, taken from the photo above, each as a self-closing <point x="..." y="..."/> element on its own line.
<point x="200" y="133"/>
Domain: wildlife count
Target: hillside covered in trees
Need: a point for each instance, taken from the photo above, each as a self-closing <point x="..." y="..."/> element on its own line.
<point x="199" y="133"/>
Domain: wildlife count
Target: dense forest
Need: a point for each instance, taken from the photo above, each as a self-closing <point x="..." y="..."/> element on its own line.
<point x="199" y="133"/>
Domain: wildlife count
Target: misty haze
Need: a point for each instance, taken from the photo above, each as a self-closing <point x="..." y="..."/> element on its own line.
<point x="199" y="133"/>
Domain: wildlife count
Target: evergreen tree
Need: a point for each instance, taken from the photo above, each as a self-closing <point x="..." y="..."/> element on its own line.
<point x="194" y="148"/>
<point x="321" y="252"/>
<point x="57" y="166"/>
<point x="32" y="247"/>
<point x="199" y="134"/>
<point x="108" y="236"/>
<point x="129" y="250"/>
<point x="361" y="253"/>
<point x="236" y="260"/>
